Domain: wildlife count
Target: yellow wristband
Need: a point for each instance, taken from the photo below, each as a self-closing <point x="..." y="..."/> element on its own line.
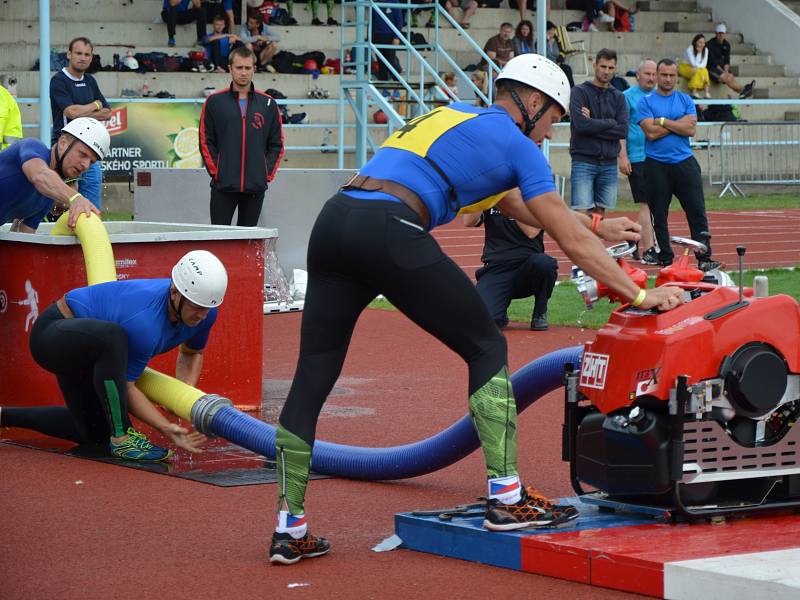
<point x="661" y="121"/>
<point x="71" y="198"/>
<point x="99" y="105"/>
<point x="640" y="298"/>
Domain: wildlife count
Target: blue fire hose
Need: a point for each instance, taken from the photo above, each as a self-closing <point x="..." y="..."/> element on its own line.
<point x="530" y="383"/>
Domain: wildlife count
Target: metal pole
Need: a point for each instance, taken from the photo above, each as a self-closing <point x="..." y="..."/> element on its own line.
<point x="541" y="48"/>
<point x="362" y="60"/>
<point x="44" y="72"/>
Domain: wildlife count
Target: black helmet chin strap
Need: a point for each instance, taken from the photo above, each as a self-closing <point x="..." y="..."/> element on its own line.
<point x="178" y="308"/>
<point x="60" y="159"/>
<point x="529" y="122"/>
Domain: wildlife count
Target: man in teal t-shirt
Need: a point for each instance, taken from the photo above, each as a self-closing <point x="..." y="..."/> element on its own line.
<point x="631" y="157"/>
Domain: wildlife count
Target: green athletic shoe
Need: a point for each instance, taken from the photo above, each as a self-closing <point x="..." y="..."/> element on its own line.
<point x="138" y="447"/>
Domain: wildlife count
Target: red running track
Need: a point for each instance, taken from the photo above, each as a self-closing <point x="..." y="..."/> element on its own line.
<point x="84" y="530"/>
<point x="771" y="238"/>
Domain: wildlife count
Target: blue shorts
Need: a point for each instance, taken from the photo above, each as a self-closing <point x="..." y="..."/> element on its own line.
<point x="593" y="186"/>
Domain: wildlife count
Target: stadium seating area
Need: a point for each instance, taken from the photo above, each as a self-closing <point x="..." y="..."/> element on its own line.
<point x="663" y="28"/>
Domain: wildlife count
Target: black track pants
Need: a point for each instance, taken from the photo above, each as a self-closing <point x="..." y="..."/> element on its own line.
<point x="89" y="358"/>
<point x="223" y="205"/>
<point x="500" y="283"/>
<point x="684" y="180"/>
<point x="359" y="249"/>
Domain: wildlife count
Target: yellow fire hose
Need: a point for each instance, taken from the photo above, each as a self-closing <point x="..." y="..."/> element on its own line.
<point x="174" y="395"/>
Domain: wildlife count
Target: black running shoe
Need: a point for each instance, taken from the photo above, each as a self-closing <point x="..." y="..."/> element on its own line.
<point x="332" y="21"/>
<point x="650" y="256"/>
<point x="533" y="510"/>
<point x="316" y="21"/>
<point x="287" y="550"/>
<point x="540" y="323"/>
<point x="748" y="90"/>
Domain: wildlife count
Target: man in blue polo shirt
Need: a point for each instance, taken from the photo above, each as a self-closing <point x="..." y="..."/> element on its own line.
<point x="32" y="175"/>
<point x="631" y="157"/>
<point x="98" y="340"/>
<point x="181" y="12"/>
<point x="668" y="118"/>
<point x="73" y="94"/>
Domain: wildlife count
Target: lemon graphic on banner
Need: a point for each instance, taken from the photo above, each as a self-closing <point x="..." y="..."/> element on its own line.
<point x="185" y="152"/>
<point x="190" y="162"/>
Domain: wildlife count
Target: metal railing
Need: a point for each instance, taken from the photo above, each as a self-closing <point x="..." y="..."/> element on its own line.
<point x="755" y="153"/>
<point x="422" y="62"/>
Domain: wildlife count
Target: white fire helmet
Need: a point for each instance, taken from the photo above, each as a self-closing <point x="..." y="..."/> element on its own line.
<point x="92" y="133"/>
<point x="200" y="277"/>
<point x="541" y="73"/>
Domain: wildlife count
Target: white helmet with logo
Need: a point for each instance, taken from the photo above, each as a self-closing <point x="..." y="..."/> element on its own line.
<point x="91" y="132"/>
<point x="200" y="277"/>
<point x="541" y="73"/>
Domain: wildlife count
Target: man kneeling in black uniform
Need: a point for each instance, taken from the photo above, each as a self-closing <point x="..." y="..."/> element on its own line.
<point x="514" y="266"/>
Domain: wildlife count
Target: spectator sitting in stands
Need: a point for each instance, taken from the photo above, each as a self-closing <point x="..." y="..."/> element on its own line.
<point x="438" y="95"/>
<point x="481" y="82"/>
<point x="523" y="38"/>
<point x="261" y="40"/>
<point x="468" y="8"/>
<point x="555" y="53"/>
<point x="694" y="69"/>
<point x="617" y="15"/>
<point x="220" y="7"/>
<point x="522" y="4"/>
<point x="499" y="47"/>
<point x="592" y="10"/>
<point x="719" y="63"/>
<point x="267" y="9"/>
<point x="182" y="12"/>
<point x="219" y="45"/>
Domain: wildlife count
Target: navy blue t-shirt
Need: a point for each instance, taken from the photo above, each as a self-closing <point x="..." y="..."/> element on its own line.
<point x="672" y="148"/>
<point x="140" y="307"/>
<point x="18" y="198"/>
<point x="66" y="91"/>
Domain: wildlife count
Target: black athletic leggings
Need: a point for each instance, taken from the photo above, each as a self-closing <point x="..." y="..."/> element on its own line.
<point x="89" y="358"/>
<point x="359" y="249"/>
<point x="223" y="205"/>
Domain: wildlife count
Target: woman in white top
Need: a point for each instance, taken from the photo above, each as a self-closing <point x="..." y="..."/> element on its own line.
<point x="694" y="68"/>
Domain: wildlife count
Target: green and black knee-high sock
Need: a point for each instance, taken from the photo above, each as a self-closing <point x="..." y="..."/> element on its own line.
<point x="293" y="457"/>
<point x="494" y="413"/>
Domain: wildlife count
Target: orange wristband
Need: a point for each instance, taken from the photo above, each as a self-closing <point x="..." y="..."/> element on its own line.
<point x="596" y="218"/>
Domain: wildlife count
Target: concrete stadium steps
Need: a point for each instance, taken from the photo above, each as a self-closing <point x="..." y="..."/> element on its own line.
<point x="153" y="36"/>
<point x="92" y="11"/>
<point x="296" y="86"/>
<point x="668" y="5"/>
<point x="188" y="85"/>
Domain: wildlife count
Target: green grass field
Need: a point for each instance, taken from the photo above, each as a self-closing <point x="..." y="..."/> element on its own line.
<point x="566" y="306"/>
<point x="775" y="202"/>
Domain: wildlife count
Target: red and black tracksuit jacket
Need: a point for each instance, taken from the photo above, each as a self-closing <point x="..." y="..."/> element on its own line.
<point x="241" y="152"/>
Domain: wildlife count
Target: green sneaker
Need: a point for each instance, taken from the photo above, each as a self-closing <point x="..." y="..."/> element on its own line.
<point x="138" y="447"/>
